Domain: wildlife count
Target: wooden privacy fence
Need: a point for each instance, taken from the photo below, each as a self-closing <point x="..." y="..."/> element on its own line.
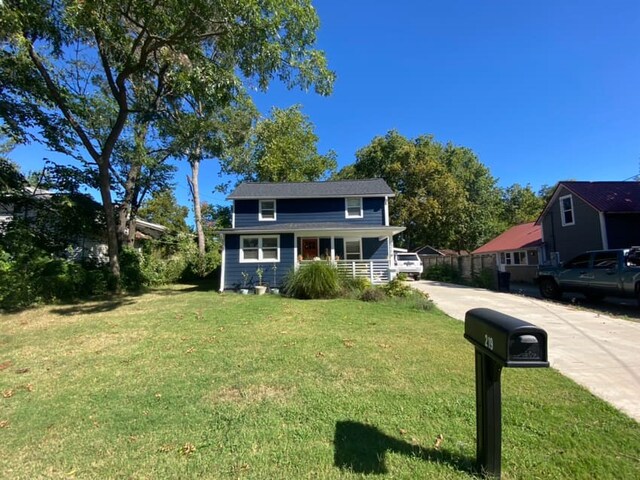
<point x="467" y="265"/>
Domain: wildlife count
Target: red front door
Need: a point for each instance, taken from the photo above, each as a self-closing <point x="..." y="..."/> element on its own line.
<point x="309" y="248"/>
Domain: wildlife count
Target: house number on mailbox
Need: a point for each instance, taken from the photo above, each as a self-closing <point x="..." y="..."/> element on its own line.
<point x="488" y="342"/>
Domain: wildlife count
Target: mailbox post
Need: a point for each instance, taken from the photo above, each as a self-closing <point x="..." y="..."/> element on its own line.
<point x="500" y="341"/>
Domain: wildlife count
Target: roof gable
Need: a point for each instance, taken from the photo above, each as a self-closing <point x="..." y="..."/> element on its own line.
<point x="338" y="188"/>
<point x="526" y="235"/>
<point x="606" y="197"/>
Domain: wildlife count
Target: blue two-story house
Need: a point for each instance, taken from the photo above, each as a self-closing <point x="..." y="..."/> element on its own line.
<point x="278" y="226"/>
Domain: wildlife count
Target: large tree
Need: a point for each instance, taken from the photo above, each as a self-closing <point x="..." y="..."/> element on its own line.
<point x="59" y="55"/>
<point x="520" y="205"/>
<point x="283" y="148"/>
<point x="197" y="126"/>
<point x="163" y="208"/>
<point x="444" y="195"/>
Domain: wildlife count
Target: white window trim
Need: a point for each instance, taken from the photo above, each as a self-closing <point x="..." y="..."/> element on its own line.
<point x="275" y="210"/>
<point x="233" y="215"/>
<point x="345" y="240"/>
<point x="260" y="258"/>
<point x="508" y="258"/>
<point x="573" y="211"/>
<point x="346" y="207"/>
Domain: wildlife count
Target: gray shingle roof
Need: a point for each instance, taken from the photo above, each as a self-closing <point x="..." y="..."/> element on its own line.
<point x="339" y="188"/>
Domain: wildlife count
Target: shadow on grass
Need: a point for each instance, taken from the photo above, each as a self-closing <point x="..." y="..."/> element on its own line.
<point x="362" y="448"/>
<point x="95" y="306"/>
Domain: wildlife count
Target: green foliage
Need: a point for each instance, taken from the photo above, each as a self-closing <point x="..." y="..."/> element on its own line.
<point x="396" y="288"/>
<point x="520" y="205"/>
<point x="284" y="148"/>
<point x="132" y="276"/>
<point x="163" y="208"/>
<point x="444" y="195"/>
<point x="373" y="294"/>
<point x="353" y="286"/>
<point x="486" y="278"/>
<point x="73" y="73"/>
<point x="313" y="280"/>
<point x="36" y="277"/>
<point x="175" y="258"/>
<point x="442" y="273"/>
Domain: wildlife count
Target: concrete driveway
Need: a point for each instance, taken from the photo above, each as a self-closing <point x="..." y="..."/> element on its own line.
<point x="600" y="352"/>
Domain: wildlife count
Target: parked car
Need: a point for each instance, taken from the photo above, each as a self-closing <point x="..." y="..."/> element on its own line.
<point x="596" y="274"/>
<point x="409" y="263"/>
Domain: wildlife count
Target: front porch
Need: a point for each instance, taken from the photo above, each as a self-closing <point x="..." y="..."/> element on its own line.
<point x="376" y="271"/>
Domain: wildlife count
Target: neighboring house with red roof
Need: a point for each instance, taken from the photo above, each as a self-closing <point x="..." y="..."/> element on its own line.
<point x="518" y="251"/>
<point x="582" y="216"/>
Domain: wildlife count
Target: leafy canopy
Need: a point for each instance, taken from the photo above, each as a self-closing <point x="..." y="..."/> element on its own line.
<point x="283" y="148"/>
<point x="444" y="196"/>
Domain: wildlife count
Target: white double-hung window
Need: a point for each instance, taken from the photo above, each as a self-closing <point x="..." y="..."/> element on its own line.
<point x="267" y="210"/>
<point x="353" y="207"/>
<point x="259" y="249"/>
<point x="566" y="210"/>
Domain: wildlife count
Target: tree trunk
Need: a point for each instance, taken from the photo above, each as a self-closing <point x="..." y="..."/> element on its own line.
<point x="112" y="236"/>
<point x="126" y="214"/>
<point x="195" y="193"/>
<point x="131" y="238"/>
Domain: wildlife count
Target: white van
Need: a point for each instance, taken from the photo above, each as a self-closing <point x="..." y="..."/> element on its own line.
<point x="409" y="263"/>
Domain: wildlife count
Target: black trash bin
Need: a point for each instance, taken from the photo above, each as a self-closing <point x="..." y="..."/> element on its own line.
<point x="503" y="281"/>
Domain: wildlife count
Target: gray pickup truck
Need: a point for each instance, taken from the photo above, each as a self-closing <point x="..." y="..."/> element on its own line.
<point x="596" y="274"/>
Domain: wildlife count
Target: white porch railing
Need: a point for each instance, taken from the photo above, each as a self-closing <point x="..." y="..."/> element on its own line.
<point x="377" y="271"/>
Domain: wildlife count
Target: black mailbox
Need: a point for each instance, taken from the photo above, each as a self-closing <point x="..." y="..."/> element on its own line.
<point x="508" y="340"/>
<point x="500" y="341"/>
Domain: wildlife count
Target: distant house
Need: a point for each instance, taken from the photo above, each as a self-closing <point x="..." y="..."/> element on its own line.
<point x="428" y="250"/>
<point x="74" y="229"/>
<point x="583" y="216"/>
<point x="279" y="226"/>
<point x="518" y="251"/>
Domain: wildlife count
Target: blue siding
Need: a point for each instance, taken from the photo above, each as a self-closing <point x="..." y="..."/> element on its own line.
<point x="309" y="210"/>
<point x="374" y="249"/>
<point x="233" y="268"/>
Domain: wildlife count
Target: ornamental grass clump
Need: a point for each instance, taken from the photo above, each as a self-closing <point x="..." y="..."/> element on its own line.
<point x="313" y="280"/>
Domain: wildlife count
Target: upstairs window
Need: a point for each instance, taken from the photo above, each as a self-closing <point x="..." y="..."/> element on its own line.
<point x="267" y="210"/>
<point x="353" y="207"/>
<point x="566" y="210"/>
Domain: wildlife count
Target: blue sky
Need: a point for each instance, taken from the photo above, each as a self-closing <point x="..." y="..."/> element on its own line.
<point x="541" y="90"/>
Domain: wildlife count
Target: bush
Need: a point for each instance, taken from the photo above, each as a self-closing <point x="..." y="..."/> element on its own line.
<point x="132" y="275"/>
<point x="353" y="287"/>
<point x="313" y="280"/>
<point x="395" y="288"/>
<point x="486" y="278"/>
<point x="26" y="280"/>
<point x="373" y="294"/>
<point x="442" y="273"/>
<point x="415" y="300"/>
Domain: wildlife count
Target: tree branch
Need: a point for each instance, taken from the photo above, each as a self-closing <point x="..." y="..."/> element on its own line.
<point x="60" y="102"/>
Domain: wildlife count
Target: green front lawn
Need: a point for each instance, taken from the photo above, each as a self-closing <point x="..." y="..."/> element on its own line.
<point x="193" y="384"/>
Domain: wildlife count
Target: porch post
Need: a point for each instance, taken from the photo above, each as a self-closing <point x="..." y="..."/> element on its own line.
<point x="333" y="249"/>
<point x="371" y="271"/>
